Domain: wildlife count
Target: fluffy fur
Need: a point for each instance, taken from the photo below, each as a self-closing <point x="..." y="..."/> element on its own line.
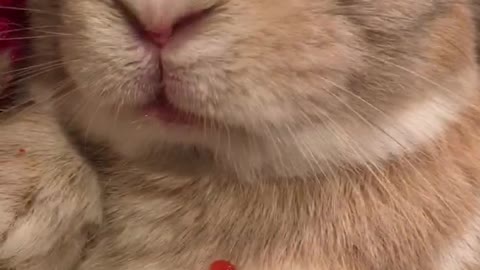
<point x="337" y="134"/>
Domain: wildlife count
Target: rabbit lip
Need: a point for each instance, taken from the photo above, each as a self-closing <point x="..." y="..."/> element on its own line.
<point x="162" y="109"/>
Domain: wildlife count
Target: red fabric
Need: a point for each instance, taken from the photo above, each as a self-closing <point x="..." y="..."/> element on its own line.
<point x="13" y="23"/>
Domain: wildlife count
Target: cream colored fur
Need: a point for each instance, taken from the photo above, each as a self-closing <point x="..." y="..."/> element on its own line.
<point x="339" y="135"/>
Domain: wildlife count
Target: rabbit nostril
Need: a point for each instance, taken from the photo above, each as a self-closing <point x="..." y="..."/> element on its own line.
<point x="188" y="20"/>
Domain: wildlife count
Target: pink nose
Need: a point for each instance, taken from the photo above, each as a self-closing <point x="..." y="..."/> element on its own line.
<point x="160" y="36"/>
<point x="162" y="18"/>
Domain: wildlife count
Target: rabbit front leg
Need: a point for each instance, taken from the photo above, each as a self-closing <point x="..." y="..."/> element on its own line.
<point x="49" y="198"/>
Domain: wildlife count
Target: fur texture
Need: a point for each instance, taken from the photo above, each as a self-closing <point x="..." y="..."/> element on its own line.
<point x="334" y="134"/>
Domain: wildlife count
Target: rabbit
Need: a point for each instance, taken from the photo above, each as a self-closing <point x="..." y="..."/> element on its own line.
<point x="286" y="135"/>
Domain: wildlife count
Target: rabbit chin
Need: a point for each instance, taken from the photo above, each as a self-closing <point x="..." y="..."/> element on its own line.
<point x="299" y="153"/>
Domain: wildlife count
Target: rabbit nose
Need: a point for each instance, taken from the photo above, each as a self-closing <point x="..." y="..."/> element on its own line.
<point x="160" y="19"/>
<point x="159" y="36"/>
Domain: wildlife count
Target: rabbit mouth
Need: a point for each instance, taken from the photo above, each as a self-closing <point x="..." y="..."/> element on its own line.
<point x="163" y="110"/>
